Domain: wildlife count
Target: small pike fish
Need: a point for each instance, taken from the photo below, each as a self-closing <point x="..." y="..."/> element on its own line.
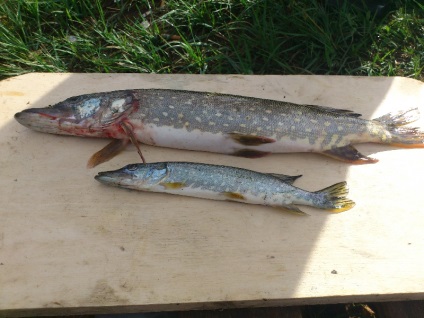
<point x="237" y="125"/>
<point x="226" y="183"/>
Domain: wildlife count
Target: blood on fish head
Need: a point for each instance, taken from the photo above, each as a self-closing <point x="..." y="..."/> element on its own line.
<point x="135" y="175"/>
<point x="86" y="115"/>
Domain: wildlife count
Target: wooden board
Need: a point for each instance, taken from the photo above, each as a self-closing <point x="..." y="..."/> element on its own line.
<point x="71" y="245"/>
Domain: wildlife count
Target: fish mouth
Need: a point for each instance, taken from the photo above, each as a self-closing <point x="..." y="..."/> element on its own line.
<point x="51" y="113"/>
<point x="111" y="178"/>
<point x="40" y="119"/>
<point x="57" y="120"/>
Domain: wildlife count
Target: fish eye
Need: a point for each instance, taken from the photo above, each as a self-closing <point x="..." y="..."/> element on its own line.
<point x="73" y="99"/>
<point x="132" y="167"/>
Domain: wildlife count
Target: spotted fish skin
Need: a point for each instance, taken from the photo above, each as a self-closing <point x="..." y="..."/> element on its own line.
<point x="219" y="182"/>
<point x="230" y="124"/>
<point x="301" y="127"/>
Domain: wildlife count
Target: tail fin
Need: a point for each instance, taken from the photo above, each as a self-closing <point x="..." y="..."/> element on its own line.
<point x="334" y="198"/>
<point x="405" y="137"/>
<point x="399" y="118"/>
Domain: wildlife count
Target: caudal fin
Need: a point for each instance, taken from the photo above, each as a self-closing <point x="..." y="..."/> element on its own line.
<point x="399" y="118"/>
<point x="405" y="137"/>
<point x="334" y="198"/>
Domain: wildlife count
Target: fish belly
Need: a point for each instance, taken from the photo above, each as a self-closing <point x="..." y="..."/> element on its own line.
<point x="166" y="136"/>
<point x="216" y="194"/>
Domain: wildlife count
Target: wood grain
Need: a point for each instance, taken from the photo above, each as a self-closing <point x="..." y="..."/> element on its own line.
<point x="69" y="245"/>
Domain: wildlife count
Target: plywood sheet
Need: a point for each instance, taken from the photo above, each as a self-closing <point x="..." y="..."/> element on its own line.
<point x="71" y="245"/>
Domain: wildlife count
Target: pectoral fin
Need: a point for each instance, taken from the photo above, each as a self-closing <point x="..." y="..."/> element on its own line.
<point x="349" y="154"/>
<point x="233" y="195"/>
<point x="105" y="154"/>
<point x="249" y="140"/>
<point x="172" y="185"/>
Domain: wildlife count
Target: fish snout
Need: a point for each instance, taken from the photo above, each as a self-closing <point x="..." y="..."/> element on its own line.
<point x="39" y="120"/>
<point x="31" y="113"/>
<point x="25" y="117"/>
<point x="114" y="178"/>
<point x="104" y="177"/>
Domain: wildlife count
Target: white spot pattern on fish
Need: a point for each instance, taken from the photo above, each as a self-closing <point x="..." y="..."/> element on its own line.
<point x="292" y="126"/>
<point x="117" y="105"/>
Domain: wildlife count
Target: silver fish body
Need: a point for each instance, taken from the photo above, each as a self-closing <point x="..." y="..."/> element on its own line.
<point x="218" y="182"/>
<point x="230" y="124"/>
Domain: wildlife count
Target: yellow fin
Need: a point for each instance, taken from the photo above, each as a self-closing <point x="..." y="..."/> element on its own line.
<point x="234" y="195"/>
<point x="342" y="205"/>
<point x="334" y="198"/>
<point x="172" y="185"/>
<point x="291" y="209"/>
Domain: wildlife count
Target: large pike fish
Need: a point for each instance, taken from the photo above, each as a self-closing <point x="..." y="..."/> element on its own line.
<point x="236" y="125"/>
<point x="226" y="183"/>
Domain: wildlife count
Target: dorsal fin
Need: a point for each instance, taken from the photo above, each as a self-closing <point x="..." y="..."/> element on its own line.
<point x="344" y="112"/>
<point x="285" y="178"/>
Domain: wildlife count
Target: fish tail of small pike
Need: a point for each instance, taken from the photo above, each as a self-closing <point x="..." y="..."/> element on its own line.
<point x="334" y="198"/>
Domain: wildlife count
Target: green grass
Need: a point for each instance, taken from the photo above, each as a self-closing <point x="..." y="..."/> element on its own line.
<point x="215" y="36"/>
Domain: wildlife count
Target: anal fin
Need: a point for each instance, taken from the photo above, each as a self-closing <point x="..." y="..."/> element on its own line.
<point x="111" y="150"/>
<point x="292" y="209"/>
<point x="349" y="154"/>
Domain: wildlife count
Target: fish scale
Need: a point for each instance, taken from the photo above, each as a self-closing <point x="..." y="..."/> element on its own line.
<point x="203" y="121"/>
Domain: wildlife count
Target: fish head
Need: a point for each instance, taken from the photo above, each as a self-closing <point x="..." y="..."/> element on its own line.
<point x="135" y="176"/>
<point x="93" y="115"/>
